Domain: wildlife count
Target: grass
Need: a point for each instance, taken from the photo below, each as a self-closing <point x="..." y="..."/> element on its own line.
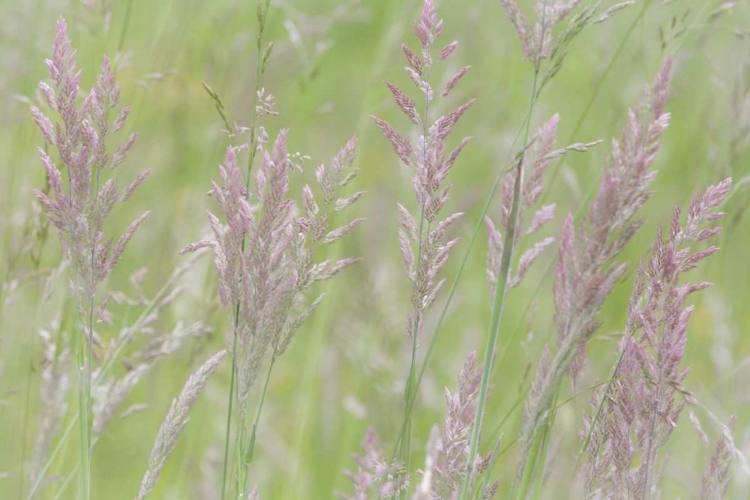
<point x="347" y="368"/>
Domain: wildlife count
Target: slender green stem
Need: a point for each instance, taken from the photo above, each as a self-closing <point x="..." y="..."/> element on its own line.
<point x="495" y="456"/>
<point x="262" y="14"/>
<point x="539" y="450"/>
<point x="493" y="334"/>
<point x="249" y="450"/>
<point x="125" y="25"/>
<point x="84" y="477"/>
<point x="83" y="421"/>
<point x="225" y="465"/>
<point x="499" y="301"/>
<point x="105" y="369"/>
<point x="64" y="485"/>
<point x="409" y="398"/>
<point x="27" y="411"/>
<point x="85" y="359"/>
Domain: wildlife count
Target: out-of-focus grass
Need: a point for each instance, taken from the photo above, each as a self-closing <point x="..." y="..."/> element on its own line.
<point x="345" y="369"/>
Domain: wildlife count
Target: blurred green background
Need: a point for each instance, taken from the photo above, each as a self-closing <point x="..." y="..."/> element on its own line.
<point x="345" y="370"/>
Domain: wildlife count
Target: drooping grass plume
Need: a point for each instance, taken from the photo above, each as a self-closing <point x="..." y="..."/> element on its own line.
<point x="263" y="283"/>
<point x="448" y="449"/>
<point x="110" y="387"/>
<point x="586" y="272"/>
<point x="270" y="277"/>
<point x="642" y="405"/>
<point x="376" y="475"/>
<point x="716" y="478"/>
<point x="54" y="391"/>
<point x="537" y="40"/>
<point x="80" y="136"/>
<point x="175" y="421"/>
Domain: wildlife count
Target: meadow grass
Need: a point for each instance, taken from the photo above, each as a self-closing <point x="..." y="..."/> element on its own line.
<point x="506" y="350"/>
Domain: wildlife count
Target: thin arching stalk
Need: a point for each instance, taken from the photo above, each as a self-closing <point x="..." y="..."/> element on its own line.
<point x="225" y="466"/>
<point x="499" y="301"/>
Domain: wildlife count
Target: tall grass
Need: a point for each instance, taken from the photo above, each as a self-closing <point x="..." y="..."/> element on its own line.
<point x="607" y="385"/>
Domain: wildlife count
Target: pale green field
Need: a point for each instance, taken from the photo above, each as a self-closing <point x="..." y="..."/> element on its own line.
<point x="345" y="370"/>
